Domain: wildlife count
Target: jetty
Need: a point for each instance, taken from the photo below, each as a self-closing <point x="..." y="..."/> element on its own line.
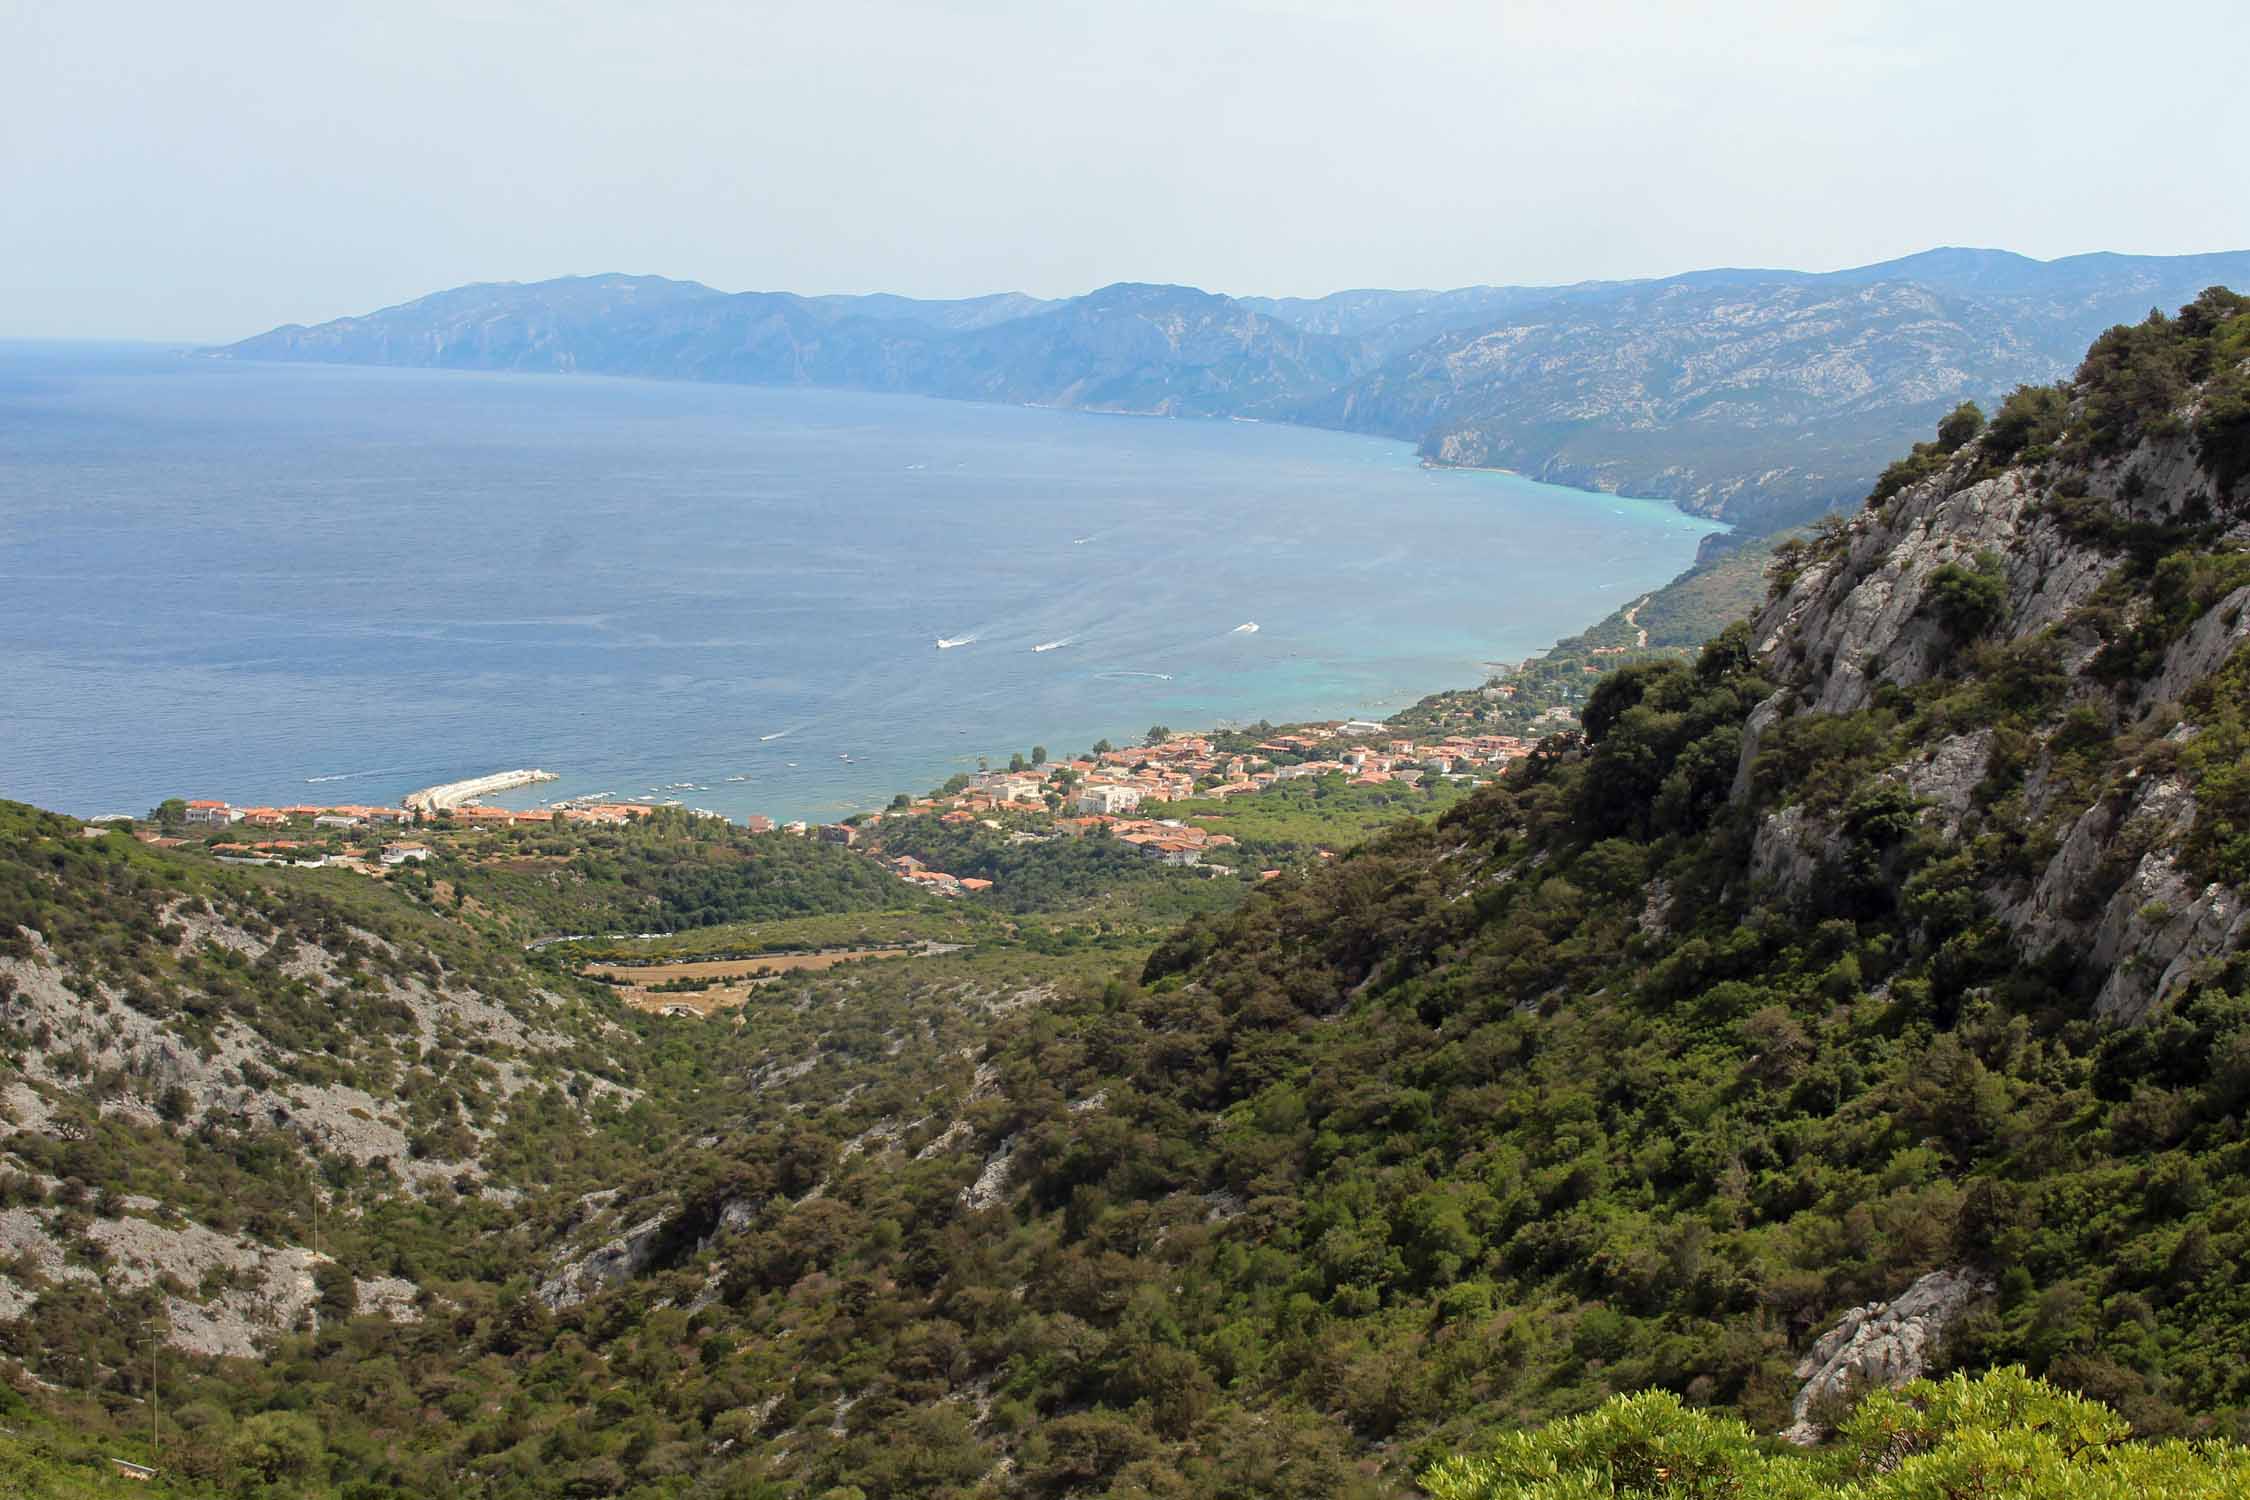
<point x="454" y="794"/>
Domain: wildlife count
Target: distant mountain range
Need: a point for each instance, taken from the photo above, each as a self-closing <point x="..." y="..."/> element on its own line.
<point x="1760" y="397"/>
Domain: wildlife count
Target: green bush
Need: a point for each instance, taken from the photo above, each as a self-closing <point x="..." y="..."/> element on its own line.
<point x="1969" y="601"/>
<point x="2003" y="1436"/>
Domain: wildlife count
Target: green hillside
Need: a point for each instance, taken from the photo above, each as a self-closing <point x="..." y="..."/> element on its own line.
<point x="1566" y="1142"/>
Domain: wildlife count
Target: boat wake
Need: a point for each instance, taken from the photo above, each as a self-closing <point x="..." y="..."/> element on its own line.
<point x="1160" y="676"/>
<point x="947" y="644"/>
<point x="1068" y="640"/>
<point x="346" y="776"/>
<point x="1247" y="627"/>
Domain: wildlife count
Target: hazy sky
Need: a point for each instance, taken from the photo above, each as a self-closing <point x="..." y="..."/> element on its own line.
<point x="204" y="170"/>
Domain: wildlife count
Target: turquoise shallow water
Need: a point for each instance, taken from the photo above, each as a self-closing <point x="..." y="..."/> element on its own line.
<point x="304" y="583"/>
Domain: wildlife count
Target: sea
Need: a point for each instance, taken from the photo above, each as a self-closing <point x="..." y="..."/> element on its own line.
<point x="293" y="583"/>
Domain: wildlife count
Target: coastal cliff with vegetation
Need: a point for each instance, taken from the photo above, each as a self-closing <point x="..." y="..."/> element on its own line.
<point x="1858" y="997"/>
<point x="1760" y="397"/>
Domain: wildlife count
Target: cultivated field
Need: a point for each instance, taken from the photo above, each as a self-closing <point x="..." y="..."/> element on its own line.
<point x="728" y="981"/>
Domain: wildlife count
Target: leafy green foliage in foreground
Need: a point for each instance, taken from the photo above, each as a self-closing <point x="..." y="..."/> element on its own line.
<point x="2001" y="1437"/>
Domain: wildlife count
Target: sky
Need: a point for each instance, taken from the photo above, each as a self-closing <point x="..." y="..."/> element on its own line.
<point x="204" y="171"/>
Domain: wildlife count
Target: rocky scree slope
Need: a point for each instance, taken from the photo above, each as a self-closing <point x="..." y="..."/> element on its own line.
<point x="195" y="1062"/>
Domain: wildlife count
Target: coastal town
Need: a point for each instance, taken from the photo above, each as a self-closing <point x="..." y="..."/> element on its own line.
<point x="1162" y="797"/>
<point x="1167" y="798"/>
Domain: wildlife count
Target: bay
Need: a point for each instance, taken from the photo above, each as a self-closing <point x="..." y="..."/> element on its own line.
<point x="302" y="583"/>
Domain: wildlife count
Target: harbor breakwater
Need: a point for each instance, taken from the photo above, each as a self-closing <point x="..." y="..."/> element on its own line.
<point x="459" y="793"/>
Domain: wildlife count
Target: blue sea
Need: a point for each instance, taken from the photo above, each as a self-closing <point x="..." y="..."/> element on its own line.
<point x="292" y="583"/>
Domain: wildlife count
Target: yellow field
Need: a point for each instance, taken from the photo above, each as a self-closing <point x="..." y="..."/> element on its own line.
<point x="734" y="978"/>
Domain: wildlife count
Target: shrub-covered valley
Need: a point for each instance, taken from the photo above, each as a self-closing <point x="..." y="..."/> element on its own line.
<point x="1889" y="946"/>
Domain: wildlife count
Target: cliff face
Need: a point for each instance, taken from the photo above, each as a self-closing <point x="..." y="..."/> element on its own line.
<point x="2114" y="586"/>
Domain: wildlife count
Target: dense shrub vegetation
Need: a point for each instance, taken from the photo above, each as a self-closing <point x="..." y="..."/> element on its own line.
<point x="673" y="871"/>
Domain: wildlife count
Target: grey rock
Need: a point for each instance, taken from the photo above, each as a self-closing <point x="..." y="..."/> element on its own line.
<point x="1945" y="780"/>
<point x="607" y="1265"/>
<point x="1788" y="850"/>
<point x="1881" y="1344"/>
<point x="991" y="1187"/>
<point x="2203" y="650"/>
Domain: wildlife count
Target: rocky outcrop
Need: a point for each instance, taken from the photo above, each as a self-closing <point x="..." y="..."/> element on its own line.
<point x="614" y="1261"/>
<point x="1788" y="850"/>
<point x="2199" y="653"/>
<point x="233" y="1076"/>
<point x="223" y="1293"/>
<point x="1944" y="780"/>
<point x="1857" y="619"/>
<point x="990" y="1189"/>
<point x="1881" y="1344"/>
<point x="1857" y="625"/>
<point x="2155" y="922"/>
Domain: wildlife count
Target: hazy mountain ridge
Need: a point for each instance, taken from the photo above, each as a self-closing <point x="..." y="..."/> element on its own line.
<point x="1392" y="322"/>
<point x="1170" y="351"/>
<point x="1758" y="403"/>
<point x="1163" y="350"/>
<point x="1758" y="396"/>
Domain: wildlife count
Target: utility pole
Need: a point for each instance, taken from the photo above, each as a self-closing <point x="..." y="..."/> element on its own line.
<point x="155" y="1337"/>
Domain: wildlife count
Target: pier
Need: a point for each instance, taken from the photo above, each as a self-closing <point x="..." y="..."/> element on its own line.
<point x="458" y="793"/>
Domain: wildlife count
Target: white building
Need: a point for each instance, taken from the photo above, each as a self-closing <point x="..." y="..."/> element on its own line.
<point x="1106" y="799"/>
<point x="399" y="854"/>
